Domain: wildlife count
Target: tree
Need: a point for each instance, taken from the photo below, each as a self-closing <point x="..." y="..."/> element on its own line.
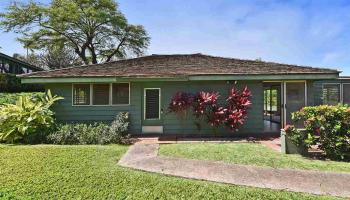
<point x="32" y="59"/>
<point x="95" y="29"/>
<point x="59" y="57"/>
<point x="53" y="57"/>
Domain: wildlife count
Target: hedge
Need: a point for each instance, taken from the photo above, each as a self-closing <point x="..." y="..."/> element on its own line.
<point x="11" y="83"/>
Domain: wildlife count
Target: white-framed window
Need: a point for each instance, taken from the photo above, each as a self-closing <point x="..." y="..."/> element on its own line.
<point x="81" y="94"/>
<point x="101" y="94"/>
<point x="152" y="102"/>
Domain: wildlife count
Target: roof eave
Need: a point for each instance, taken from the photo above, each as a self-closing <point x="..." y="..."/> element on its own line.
<point x="203" y="77"/>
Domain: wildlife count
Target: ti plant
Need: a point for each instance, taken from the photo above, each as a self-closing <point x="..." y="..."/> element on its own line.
<point x="26" y="117"/>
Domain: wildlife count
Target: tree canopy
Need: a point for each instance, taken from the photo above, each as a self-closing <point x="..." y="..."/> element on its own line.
<point x="95" y="29"/>
<point x="52" y="57"/>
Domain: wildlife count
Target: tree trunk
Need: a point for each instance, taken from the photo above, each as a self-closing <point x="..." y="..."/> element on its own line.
<point x="82" y="56"/>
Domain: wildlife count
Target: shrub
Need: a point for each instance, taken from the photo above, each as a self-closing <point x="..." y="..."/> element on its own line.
<point x="238" y="104"/>
<point x="26" y="117"/>
<point x="118" y="130"/>
<point x="180" y="102"/>
<point x="298" y="137"/>
<point x="11" y="83"/>
<point x="96" y="133"/>
<point x="78" y="133"/>
<point x="205" y="106"/>
<point x="328" y="127"/>
<point x="11" y="98"/>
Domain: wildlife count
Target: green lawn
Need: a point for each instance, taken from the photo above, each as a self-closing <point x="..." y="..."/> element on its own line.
<point x="249" y="154"/>
<point x="91" y="172"/>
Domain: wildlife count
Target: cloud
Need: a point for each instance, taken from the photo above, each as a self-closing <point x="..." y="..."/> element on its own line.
<point x="297" y="32"/>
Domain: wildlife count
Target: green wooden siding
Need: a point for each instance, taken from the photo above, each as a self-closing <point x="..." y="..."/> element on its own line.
<point x="65" y="112"/>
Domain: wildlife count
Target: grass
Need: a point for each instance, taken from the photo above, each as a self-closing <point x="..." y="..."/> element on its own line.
<point x="249" y="154"/>
<point x="91" y="172"/>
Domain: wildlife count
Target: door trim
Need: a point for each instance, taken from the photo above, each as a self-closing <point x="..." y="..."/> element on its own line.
<point x="144" y="103"/>
<point x="285" y="98"/>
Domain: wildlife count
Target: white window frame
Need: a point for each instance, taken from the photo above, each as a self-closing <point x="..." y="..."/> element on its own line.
<point x="73" y="94"/>
<point x="144" y="103"/>
<point x="340" y="91"/>
<point x="110" y="100"/>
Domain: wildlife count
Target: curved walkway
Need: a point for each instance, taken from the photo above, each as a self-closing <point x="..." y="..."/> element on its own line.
<point x="145" y="157"/>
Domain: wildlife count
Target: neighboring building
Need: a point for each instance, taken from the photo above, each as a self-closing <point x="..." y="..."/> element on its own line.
<point x="144" y="86"/>
<point x="10" y="65"/>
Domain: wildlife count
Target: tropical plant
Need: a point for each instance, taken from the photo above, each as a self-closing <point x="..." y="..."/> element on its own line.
<point x="11" y="98"/>
<point x="204" y="103"/>
<point x="95" y="29"/>
<point x="326" y="126"/>
<point x="180" y="102"/>
<point x="26" y="117"/>
<point x="238" y="104"/>
<point x="206" y="107"/>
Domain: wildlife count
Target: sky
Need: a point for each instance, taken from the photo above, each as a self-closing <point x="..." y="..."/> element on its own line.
<point x="304" y="32"/>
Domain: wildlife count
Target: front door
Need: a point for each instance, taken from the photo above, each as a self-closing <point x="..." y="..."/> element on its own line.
<point x="152" y="119"/>
<point x="295" y="98"/>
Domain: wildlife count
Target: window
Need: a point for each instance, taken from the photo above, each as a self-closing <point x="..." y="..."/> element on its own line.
<point x="331" y="94"/>
<point x="152" y="102"/>
<point x="271" y="99"/>
<point x="346" y="93"/>
<point x="120" y="93"/>
<point x="100" y="94"/>
<point x="81" y="94"/>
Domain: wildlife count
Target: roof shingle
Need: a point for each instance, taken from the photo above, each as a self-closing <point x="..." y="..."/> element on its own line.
<point x="180" y="65"/>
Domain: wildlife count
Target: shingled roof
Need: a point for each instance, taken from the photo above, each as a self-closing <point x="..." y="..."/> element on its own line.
<point x="180" y="65"/>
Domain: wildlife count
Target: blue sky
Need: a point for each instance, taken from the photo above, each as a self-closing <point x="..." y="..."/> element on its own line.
<point x="303" y="32"/>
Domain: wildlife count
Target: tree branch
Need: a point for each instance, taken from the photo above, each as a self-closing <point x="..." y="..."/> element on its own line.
<point x="110" y="56"/>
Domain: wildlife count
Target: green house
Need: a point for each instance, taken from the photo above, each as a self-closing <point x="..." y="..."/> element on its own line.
<point x="144" y="87"/>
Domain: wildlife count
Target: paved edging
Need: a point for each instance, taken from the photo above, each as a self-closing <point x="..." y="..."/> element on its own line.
<point x="145" y="157"/>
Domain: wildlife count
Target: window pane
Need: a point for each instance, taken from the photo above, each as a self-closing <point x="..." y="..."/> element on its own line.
<point x="346" y="94"/>
<point x="100" y="94"/>
<point x="152" y="104"/>
<point x="120" y="93"/>
<point x="331" y="94"/>
<point x="81" y="94"/>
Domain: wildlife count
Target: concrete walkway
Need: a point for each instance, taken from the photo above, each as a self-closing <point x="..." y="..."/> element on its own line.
<point x="145" y="157"/>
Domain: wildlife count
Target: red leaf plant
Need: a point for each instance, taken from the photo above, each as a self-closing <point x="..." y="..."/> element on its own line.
<point x="205" y="106"/>
<point x="216" y="116"/>
<point x="204" y="102"/>
<point x="237" y="109"/>
<point x="180" y="102"/>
